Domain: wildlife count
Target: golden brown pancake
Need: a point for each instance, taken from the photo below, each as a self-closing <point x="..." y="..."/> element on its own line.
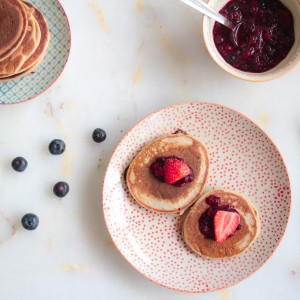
<point x="159" y="196"/>
<point x="238" y="243"/>
<point x="44" y="40"/>
<point x="20" y="74"/>
<point x="13" y="26"/>
<point x="14" y="62"/>
<point x="26" y="58"/>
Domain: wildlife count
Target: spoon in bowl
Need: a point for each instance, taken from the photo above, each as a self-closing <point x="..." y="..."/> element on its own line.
<point x="202" y="6"/>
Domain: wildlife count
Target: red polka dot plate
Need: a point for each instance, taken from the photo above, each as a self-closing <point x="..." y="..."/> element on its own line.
<point x="242" y="158"/>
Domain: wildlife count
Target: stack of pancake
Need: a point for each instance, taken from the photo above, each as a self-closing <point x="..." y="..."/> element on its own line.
<point x="24" y="38"/>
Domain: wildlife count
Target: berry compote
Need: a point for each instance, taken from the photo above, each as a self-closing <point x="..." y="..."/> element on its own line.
<point x="262" y="34"/>
<point x="206" y="221"/>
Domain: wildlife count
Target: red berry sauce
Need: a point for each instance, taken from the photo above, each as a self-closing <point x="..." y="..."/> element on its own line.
<point x="264" y="31"/>
<point x="206" y="221"/>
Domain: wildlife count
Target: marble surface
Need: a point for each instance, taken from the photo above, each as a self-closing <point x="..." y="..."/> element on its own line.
<point x="128" y="58"/>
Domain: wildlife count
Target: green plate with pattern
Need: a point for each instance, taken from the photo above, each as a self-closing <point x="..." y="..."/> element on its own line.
<point x="33" y="84"/>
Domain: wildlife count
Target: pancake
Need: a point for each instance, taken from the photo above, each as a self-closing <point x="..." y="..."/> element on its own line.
<point x="153" y="194"/>
<point x="44" y="40"/>
<point x="15" y="61"/>
<point x="29" y="55"/>
<point x="20" y="74"/>
<point x="13" y="26"/>
<point x="238" y="243"/>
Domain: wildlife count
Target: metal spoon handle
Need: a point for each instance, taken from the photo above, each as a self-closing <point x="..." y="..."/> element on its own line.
<point x="202" y="6"/>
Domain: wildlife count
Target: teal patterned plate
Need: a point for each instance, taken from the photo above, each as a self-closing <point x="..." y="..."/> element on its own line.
<point x="33" y="84"/>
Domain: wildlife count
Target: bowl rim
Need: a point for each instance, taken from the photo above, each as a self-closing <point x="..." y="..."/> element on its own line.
<point x="248" y="75"/>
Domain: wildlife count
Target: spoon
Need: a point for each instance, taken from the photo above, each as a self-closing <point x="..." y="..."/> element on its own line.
<point x="202" y="6"/>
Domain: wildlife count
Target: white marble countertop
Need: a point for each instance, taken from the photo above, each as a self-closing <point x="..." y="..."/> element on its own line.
<point x="128" y="58"/>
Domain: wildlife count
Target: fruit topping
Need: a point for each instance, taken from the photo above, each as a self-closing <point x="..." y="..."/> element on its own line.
<point x="157" y="168"/>
<point x="175" y="170"/>
<point x="57" y="147"/>
<point x="30" y="221"/>
<point x="207" y="219"/>
<point x="19" y="164"/>
<point x="186" y="179"/>
<point x="172" y="170"/>
<point x="213" y="200"/>
<point x="225" y="224"/>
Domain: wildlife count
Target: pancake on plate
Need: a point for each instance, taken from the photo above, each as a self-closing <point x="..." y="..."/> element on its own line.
<point x="169" y="174"/>
<point x="13" y="26"/>
<point x="31" y="50"/>
<point x="15" y="76"/>
<point x="220" y="224"/>
<point x="14" y="62"/>
<point x="40" y="51"/>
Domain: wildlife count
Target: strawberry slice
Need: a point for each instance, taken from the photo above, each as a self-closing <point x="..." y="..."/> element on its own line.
<point x="225" y="223"/>
<point x="175" y="169"/>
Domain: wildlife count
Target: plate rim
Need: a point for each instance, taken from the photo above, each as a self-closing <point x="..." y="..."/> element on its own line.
<point x="63" y="68"/>
<point x="187" y="104"/>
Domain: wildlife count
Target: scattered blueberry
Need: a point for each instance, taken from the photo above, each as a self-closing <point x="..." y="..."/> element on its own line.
<point x="19" y="164"/>
<point x="57" y="147"/>
<point x="61" y="189"/>
<point x="30" y="221"/>
<point x="99" y="135"/>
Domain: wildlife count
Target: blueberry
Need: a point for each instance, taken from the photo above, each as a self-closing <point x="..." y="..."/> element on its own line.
<point x="236" y="17"/>
<point x="261" y="59"/>
<point x="219" y="39"/>
<point x="57" y="147"/>
<point x="30" y="221"/>
<point x="61" y="189"/>
<point x="19" y="164"/>
<point x="230" y="58"/>
<point x="99" y="135"/>
<point x="233" y="7"/>
<point x="270" y="50"/>
<point x="248" y="27"/>
<point x="262" y="4"/>
<point x="211" y="212"/>
<point x="213" y="200"/>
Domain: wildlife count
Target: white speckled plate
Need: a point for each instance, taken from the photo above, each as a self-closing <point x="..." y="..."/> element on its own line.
<point x="243" y="159"/>
<point x="33" y="84"/>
